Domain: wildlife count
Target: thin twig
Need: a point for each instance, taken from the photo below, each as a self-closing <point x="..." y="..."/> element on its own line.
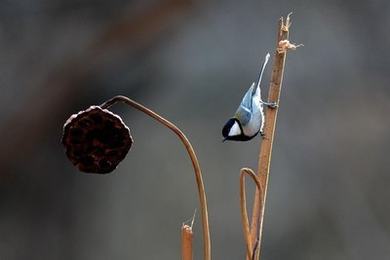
<point x="192" y="155"/>
<point x="282" y="46"/>
<point x="244" y="214"/>
<point x="191" y="220"/>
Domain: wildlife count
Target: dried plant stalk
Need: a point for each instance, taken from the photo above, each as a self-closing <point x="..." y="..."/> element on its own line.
<point x="192" y="155"/>
<point x="282" y="46"/>
<point x="244" y="214"/>
<point x="186" y="242"/>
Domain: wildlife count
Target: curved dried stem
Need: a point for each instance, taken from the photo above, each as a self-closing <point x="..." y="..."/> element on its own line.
<point x="192" y="155"/>
<point x="250" y="250"/>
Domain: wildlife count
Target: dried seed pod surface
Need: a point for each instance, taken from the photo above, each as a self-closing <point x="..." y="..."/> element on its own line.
<point x="96" y="140"/>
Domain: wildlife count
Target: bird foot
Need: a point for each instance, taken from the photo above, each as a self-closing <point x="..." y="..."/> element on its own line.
<point x="270" y="104"/>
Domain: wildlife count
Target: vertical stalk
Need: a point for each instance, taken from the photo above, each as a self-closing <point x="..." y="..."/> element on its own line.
<point x="192" y="155"/>
<point x="269" y="131"/>
<point x="186" y="242"/>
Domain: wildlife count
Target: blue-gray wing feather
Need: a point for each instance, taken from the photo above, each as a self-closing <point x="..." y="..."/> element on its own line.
<point x="244" y="111"/>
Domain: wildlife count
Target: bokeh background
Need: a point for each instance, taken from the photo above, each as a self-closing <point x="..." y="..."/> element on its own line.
<point x="192" y="61"/>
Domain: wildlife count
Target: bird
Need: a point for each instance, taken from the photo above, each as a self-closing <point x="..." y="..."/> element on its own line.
<point x="248" y="121"/>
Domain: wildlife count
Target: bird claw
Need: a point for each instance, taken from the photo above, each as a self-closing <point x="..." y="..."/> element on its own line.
<point x="271" y="104"/>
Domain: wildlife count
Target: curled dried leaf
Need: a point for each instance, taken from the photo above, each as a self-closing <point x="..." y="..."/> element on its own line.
<point x="286" y="45"/>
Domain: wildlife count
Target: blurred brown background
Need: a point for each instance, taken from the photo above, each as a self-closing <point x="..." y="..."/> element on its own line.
<point x="192" y="61"/>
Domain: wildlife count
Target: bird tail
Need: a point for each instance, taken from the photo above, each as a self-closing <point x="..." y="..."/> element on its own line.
<point x="262" y="70"/>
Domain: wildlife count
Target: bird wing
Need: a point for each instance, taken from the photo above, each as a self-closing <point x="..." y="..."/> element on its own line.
<point x="244" y="111"/>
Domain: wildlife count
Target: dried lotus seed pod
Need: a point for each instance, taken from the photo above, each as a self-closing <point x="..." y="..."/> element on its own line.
<point x="96" y="140"/>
